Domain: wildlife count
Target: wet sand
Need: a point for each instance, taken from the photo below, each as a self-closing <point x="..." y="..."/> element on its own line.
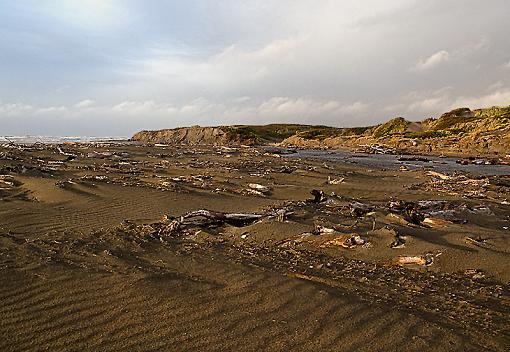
<point x="88" y="261"/>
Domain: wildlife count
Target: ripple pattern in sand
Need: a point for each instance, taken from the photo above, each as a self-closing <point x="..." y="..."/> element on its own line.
<point x="233" y="307"/>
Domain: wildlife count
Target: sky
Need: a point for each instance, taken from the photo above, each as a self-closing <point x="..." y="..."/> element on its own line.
<point x="113" y="67"/>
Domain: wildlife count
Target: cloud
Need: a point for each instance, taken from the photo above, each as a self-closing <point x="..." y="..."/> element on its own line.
<point x="425" y="103"/>
<point x="244" y="108"/>
<point x="87" y="103"/>
<point x="229" y="68"/>
<point x="161" y="64"/>
<point x="507" y="65"/>
<point x="13" y="109"/>
<point x="52" y="110"/>
<point x="22" y="109"/>
<point x="432" y="61"/>
<point x="203" y="111"/>
<point x="143" y="108"/>
<point x="124" y="117"/>
<point x="306" y="107"/>
<point x="90" y="14"/>
<point x="499" y="97"/>
<point x="429" y="104"/>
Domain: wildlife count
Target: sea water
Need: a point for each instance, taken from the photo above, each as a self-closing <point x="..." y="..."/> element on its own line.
<point x="30" y="139"/>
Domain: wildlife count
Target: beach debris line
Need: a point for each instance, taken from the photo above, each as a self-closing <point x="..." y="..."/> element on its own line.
<point x="474" y="186"/>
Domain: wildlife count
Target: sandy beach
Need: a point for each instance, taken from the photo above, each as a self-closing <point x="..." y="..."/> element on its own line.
<point x="254" y="176"/>
<point x="99" y="251"/>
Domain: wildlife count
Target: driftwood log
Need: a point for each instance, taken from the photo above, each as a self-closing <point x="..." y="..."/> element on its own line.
<point x="70" y="156"/>
<point x="220" y="217"/>
<point x="205" y="217"/>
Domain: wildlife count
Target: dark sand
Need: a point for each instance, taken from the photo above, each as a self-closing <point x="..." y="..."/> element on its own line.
<point x="82" y="267"/>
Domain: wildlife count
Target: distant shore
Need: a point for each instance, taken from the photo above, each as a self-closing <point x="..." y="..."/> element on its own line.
<point x="460" y="132"/>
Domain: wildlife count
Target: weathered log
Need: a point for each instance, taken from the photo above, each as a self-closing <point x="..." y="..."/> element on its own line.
<point x="229" y="218"/>
<point x="70" y="156"/>
<point x="204" y="217"/>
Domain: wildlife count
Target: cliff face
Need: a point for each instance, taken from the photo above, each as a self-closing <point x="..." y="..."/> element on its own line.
<point x="229" y="135"/>
<point x="194" y="135"/>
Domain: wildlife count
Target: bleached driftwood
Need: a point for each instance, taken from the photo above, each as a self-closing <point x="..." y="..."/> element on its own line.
<point x="204" y="217"/>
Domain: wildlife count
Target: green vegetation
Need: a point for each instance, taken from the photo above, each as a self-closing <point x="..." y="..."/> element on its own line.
<point x="355" y="131"/>
<point x="242" y="133"/>
<point x="279" y="132"/>
<point x="426" y="134"/>
<point x="465" y="120"/>
<point x="397" y="125"/>
<point x="322" y="132"/>
<point x="497" y="117"/>
<point x="455" y="122"/>
<point x="502" y="113"/>
<point x="271" y="133"/>
<point x="276" y="132"/>
<point x="452" y="118"/>
<point x="319" y="133"/>
<point x="458" y="123"/>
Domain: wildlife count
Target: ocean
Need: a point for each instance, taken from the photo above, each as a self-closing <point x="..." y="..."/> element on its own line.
<point x="29" y="139"/>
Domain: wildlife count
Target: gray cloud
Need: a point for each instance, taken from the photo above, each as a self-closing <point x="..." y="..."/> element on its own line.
<point x="433" y="60"/>
<point x="82" y="67"/>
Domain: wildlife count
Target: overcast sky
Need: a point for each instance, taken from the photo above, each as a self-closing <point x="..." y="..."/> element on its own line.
<point x="112" y="67"/>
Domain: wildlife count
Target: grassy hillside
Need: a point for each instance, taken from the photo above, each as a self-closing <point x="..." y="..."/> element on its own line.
<point x="394" y="126"/>
<point x="455" y="122"/>
<point x="278" y="132"/>
<point x="482" y="130"/>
